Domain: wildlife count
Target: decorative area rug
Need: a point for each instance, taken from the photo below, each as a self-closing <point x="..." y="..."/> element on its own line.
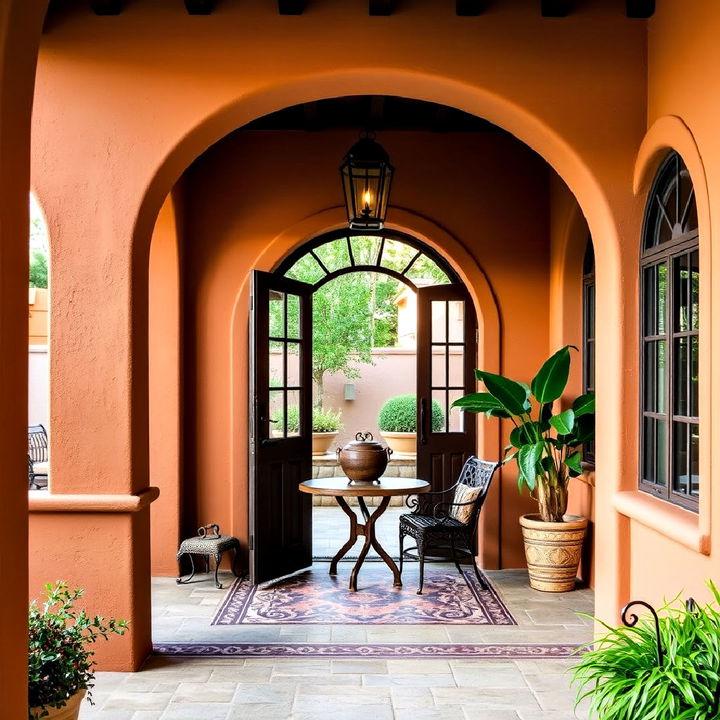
<point x="395" y="650"/>
<point x="314" y="597"/>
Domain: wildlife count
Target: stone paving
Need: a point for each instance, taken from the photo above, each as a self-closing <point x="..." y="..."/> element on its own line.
<point x="310" y="689"/>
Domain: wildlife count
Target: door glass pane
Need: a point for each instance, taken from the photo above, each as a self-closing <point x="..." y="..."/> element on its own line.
<point x="293" y="413"/>
<point x="306" y="269"/>
<point x="276" y="310"/>
<point x="397" y="255"/>
<point x="681" y="289"/>
<point x="276" y="413"/>
<point x="293" y="364"/>
<point x="694" y="375"/>
<point x="648" y="471"/>
<point x="439" y="365"/>
<point x="694" y="460"/>
<point x="680" y="458"/>
<point x="439" y="423"/>
<point x="456" y="358"/>
<point x="456" y="321"/>
<point x="680" y="376"/>
<point x="293" y="317"/>
<point x="695" y="290"/>
<point x="457" y="418"/>
<point x="438" y="308"/>
<point x="277" y="364"/>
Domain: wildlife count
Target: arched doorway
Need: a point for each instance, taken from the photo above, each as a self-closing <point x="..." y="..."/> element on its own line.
<point x="283" y="371"/>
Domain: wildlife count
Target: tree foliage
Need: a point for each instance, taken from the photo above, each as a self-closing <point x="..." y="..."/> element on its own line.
<point x="38" y="270"/>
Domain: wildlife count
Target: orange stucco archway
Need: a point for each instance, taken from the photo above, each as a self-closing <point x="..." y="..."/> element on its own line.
<point x="525" y="126"/>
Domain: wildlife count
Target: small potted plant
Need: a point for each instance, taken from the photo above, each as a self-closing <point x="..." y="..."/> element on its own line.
<point x="644" y="670"/>
<point x="325" y="426"/>
<point x="60" y="665"/>
<point x="397" y="421"/>
<point x="547" y="447"/>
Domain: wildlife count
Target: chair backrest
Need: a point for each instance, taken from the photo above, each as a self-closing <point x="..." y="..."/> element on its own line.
<point x="37" y="443"/>
<point x="472" y="486"/>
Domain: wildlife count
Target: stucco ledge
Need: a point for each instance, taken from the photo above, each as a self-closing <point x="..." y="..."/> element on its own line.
<point x="39" y="502"/>
<point x="674" y="522"/>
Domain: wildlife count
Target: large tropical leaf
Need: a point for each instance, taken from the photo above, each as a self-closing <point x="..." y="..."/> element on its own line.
<point x="525" y="434"/>
<point x="573" y="462"/>
<point x="478" y="403"/>
<point x="564" y="422"/>
<point x="528" y="457"/>
<point x="549" y="383"/>
<point x="584" y="405"/>
<point x="512" y="395"/>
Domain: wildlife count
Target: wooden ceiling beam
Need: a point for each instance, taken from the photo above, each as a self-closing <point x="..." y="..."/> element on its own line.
<point x="470" y="8"/>
<point x="291" y="7"/>
<point x="381" y="7"/>
<point x="555" y="8"/>
<point x="199" y="7"/>
<point x="106" y="7"/>
<point x="639" y="8"/>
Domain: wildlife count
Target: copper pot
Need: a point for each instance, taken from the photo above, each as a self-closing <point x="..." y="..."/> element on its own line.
<point x="363" y="460"/>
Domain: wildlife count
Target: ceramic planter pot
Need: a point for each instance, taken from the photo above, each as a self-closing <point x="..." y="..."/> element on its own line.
<point x="363" y="460"/>
<point x="321" y="442"/>
<point x="552" y="551"/>
<point x="70" y="711"/>
<point x="404" y="443"/>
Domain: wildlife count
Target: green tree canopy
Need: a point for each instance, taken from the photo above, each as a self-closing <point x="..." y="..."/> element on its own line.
<point x="38" y="270"/>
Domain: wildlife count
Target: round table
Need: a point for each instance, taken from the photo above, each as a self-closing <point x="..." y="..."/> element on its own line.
<point x="340" y="488"/>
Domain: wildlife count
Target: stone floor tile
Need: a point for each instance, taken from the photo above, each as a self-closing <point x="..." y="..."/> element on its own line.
<point x="263" y="694"/>
<point x="147" y="715"/>
<point x="499" y="678"/>
<point x="405" y="697"/>
<point x="358" y="666"/>
<point x="260" y="711"/>
<point x="420" y="666"/>
<point x="316" y="709"/>
<point x="107" y="714"/>
<point x="414" y="679"/>
<point x="453" y="712"/>
<point x="484" y="698"/>
<point x="241" y="674"/>
<point x="192" y="711"/>
<point x="218" y="692"/>
<point x="124" y="700"/>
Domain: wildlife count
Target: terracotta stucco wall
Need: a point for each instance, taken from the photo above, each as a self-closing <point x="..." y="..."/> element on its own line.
<point x="683" y="104"/>
<point x="109" y="148"/>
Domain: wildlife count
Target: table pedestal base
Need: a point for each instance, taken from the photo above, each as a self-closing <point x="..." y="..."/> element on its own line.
<point x="367" y="530"/>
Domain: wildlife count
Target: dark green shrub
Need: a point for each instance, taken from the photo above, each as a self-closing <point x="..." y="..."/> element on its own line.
<point x="399" y="414"/>
<point x="323" y="420"/>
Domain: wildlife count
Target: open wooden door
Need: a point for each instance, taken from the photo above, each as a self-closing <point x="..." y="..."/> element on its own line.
<point x="446" y="353"/>
<point x="280" y="426"/>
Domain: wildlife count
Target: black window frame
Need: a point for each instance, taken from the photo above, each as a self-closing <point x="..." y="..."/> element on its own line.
<point x="662" y="333"/>
<point x="589" y="304"/>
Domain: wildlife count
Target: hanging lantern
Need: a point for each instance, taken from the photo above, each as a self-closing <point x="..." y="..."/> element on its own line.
<point x="366" y="175"/>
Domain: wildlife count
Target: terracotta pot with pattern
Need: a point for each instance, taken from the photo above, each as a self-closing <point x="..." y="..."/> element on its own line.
<point x="69" y="711"/>
<point x="552" y="551"/>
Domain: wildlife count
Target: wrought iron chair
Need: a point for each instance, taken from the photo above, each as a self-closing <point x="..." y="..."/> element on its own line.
<point x="35" y="482"/>
<point x="437" y="523"/>
<point x="37" y="453"/>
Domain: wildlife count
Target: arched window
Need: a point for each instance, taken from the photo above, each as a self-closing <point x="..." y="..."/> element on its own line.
<point x="670" y="286"/>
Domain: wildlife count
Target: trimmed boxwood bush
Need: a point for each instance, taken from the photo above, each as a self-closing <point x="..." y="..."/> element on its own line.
<point x="399" y="414"/>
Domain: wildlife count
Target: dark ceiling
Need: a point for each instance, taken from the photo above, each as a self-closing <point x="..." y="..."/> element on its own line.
<point x="468" y="8"/>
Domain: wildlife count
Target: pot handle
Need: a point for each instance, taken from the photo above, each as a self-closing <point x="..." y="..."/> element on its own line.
<point x="389" y="453"/>
<point x="364" y="436"/>
<point x="337" y="454"/>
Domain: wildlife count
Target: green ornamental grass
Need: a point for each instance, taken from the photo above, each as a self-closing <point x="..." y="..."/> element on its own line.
<point x="623" y="681"/>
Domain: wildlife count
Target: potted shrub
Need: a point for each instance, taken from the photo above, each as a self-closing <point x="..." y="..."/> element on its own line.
<point x="397" y="421"/>
<point x="60" y="665"/>
<point x="325" y="426"/>
<point x="630" y="674"/>
<point x="547" y="448"/>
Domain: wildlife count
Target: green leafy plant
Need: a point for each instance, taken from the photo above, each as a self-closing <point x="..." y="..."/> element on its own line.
<point x="323" y="420"/>
<point x="59" y="661"/>
<point x="547" y="447"/>
<point x="623" y="680"/>
<point x="399" y="414"/>
<point x="38" y="270"/>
